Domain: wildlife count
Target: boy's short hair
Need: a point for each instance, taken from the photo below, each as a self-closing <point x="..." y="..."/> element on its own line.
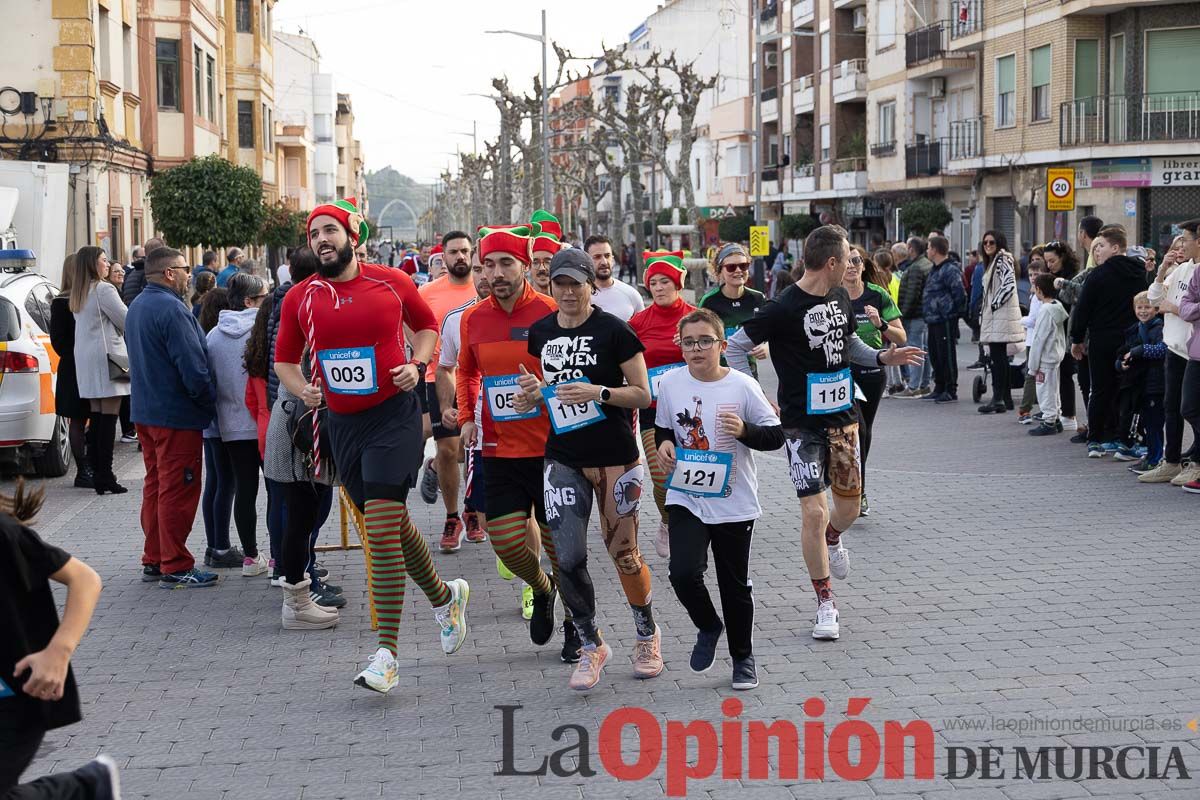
<point x="1142" y="298"/>
<point x="1045" y="284"/>
<point x="1114" y="234"/>
<point x="704" y="316"/>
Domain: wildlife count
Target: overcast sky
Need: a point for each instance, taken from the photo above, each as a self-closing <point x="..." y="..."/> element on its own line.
<point x="411" y="65"/>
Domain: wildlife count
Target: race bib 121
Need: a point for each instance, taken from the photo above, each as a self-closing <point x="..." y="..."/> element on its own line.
<point x="349" y="370"/>
<point x="702" y="473"/>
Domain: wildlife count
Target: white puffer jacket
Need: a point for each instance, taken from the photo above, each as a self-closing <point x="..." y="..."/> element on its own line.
<point x="1000" y="322"/>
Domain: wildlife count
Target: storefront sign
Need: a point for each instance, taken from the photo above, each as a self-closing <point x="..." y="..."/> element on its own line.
<point x="862" y="207"/>
<point x="1115" y="173"/>
<point x="1136" y="173"/>
<point x="717" y="212"/>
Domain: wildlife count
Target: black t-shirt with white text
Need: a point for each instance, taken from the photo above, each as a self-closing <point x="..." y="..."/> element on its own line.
<point x="810" y="344"/>
<point x="595" y="350"/>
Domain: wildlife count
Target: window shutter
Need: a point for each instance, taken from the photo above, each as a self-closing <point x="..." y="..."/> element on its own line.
<point x="1087" y="68"/>
<point x="1172" y="60"/>
<point x="1006" y="75"/>
<point x="1040" y="66"/>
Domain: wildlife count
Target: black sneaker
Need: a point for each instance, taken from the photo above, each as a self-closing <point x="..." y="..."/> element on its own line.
<point x="319" y="571"/>
<point x="322" y="596"/>
<point x="1080" y="438"/>
<point x="945" y="397"/>
<point x="541" y="625"/>
<point x="704" y="652"/>
<point x="571" y="643"/>
<point x="745" y="676"/>
<point x="1046" y="429"/>
<point x="101" y="776"/>
<point x="230" y="559"/>
<point x="151" y="573"/>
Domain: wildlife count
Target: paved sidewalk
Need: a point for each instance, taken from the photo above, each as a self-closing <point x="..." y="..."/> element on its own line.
<point x="1000" y="579"/>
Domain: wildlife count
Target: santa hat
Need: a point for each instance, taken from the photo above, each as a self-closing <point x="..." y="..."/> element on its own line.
<point x="513" y="240"/>
<point x="346" y="212"/>
<point x="669" y="263"/>
<point x="435" y="250"/>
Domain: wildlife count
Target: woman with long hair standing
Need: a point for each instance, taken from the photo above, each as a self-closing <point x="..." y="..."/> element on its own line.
<point x="1061" y="261"/>
<point x="1000" y="320"/>
<point x="67" y="402"/>
<point x="100" y="355"/>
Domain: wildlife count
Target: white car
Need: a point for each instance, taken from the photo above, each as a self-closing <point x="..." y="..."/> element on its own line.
<point x="33" y="439"/>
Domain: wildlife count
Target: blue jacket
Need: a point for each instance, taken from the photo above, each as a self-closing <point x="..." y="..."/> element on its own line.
<point x="224" y="275"/>
<point x="168" y="363"/>
<point x="944" y="299"/>
<point x="1147" y="353"/>
<point x="977" y="290"/>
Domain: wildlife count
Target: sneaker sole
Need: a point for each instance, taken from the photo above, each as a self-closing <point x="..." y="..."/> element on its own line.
<point x="361" y="681"/>
<point x="253" y="573"/>
<point x="114" y="774"/>
<point x="1191" y="490"/>
<point x="741" y="687"/>
<point x="174" y="586"/>
<point x="151" y="578"/>
<point x="448" y="549"/>
<point x="480" y="540"/>
<point x="826" y="636"/>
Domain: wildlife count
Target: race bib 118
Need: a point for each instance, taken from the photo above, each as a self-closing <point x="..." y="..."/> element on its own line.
<point x="566" y="417"/>
<point x="702" y="473"/>
<point x="349" y="370"/>
<point x="501" y="393"/>
<point x="829" y="392"/>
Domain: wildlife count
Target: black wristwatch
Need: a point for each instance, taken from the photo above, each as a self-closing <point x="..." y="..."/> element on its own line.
<point x="421" y="367"/>
<point x="882" y="328"/>
<point x="605" y="394"/>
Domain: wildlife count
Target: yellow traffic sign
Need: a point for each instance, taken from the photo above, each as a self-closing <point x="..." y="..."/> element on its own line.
<point x="760" y="240"/>
<point x="1060" y="189"/>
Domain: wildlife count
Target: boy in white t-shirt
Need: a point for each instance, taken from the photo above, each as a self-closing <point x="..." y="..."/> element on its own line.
<point x="709" y="418"/>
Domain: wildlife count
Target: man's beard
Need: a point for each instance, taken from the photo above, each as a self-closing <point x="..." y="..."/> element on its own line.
<point x="459" y="269"/>
<point x="336" y="268"/>
<point x="604" y="273"/>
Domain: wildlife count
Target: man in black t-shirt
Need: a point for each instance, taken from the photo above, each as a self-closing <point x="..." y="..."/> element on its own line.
<point x="37" y="686"/>
<point x="595" y="375"/>
<point x="811" y="330"/>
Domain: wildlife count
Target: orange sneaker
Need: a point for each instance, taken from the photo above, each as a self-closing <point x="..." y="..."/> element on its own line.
<point x="647" y="656"/>
<point x="452" y="535"/>
<point x="475" y="532"/>
<point x="591" y="664"/>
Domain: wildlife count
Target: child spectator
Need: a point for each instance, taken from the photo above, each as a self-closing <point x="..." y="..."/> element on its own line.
<point x="1037" y="266"/>
<point x="1142" y="384"/>
<point x="37" y="685"/>
<point x="1046" y="349"/>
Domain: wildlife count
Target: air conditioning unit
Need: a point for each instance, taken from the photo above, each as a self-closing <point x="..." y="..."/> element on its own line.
<point x="937" y="87"/>
<point x="860" y="19"/>
<point x="771" y="59"/>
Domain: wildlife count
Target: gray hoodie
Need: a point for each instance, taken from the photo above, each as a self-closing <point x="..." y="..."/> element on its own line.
<point x="226" y="346"/>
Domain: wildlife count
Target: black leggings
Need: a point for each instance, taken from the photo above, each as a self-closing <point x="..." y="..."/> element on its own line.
<point x="240" y="459"/>
<point x="872" y="384"/>
<point x="1001" y="374"/>
<point x="1173" y="404"/>
<point x="1066" y="385"/>
<point x="302" y="502"/>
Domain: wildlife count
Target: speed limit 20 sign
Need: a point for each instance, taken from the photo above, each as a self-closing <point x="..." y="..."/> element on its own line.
<point x="1060" y="189"/>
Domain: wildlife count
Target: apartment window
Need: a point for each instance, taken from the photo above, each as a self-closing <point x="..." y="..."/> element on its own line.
<point x="826" y="56"/>
<point x="1087" y="68"/>
<point x="245" y="111"/>
<point x="1116" y="64"/>
<point x="887" y="123"/>
<point x="198" y="77"/>
<point x="244" y="13"/>
<point x="210" y="66"/>
<point x="262" y="15"/>
<point x="1172" y="63"/>
<point x="166" y="53"/>
<point x="1039" y="81"/>
<point x="267" y="129"/>
<point x="1006" y="92"/>
<point x="885" y="24"/>
<point x="825" y="142"/>
<point x="103" y="30"/>
<point x="136" y="232"/>
<point x="114" y="232"/>
<point x="323" y="127"/>
<point x="127" y="56"/>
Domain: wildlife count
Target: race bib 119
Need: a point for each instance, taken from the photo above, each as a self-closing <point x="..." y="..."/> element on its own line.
<point x="501" y="393"/>
<point x="656" y="375"/>
<point x="567" y="417"/>
<point x="349" y="370"/>
<point x="702" y="473"/>
<point x="829" y="392"/>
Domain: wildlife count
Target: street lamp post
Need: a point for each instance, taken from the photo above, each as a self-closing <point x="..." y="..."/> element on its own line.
<point x="544" y="40"/>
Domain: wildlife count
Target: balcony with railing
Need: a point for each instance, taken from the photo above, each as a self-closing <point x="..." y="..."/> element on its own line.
<point x="923" y="159"/>
<point x="850" y="173"/>
<point x="768" y="15"/>
<point x="850" y="81"/>
<point x="803" y="96"/>
<point x="1129" y="118"/>
<point x="883" y="149"/>
<point x="966" y="139"/>
<point x="769" y="93"/>
<point x="929" y="50"/>
<point x="966" y="24"/>
<point x="802" y="12"/>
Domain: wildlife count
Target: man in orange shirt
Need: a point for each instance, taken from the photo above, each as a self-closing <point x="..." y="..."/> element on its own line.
<point x="444" y="295"/>
<point x="494" y="342"/>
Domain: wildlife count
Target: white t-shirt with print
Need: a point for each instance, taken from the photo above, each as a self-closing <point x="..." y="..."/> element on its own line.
<point x="689" y="407"/>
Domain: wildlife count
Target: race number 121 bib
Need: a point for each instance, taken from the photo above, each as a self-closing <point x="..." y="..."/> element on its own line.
<point x="570" y="416"/>
<point x="702" y="473"/>
<point x="829" y="392"/>
<point x="501" y="392"/>
<point x="349" y="370"/>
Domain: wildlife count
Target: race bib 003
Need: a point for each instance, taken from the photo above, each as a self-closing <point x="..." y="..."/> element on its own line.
<point x="656" y="375"/>
<point x="829" y="392"/>
<point x="501" y="392"/>
<point x="567" y="417"/>
<point x="349" y="370"/>
<point x="702" y="473"/>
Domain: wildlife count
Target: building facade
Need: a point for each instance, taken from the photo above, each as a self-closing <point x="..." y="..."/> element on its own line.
<point x="305" y="110"/>
<point x="250" y="89"/>
<point x="351" y="173"/>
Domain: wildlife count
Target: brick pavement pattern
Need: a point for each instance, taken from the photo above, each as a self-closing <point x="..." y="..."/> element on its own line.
<point x="999" y="576"/>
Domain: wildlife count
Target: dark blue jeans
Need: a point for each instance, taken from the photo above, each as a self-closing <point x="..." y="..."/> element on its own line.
<point x="216" y="504"/>
<point x="1153" y="419"/>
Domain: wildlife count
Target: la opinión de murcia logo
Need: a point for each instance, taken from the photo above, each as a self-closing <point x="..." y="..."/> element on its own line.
<point x="852" y="750"/>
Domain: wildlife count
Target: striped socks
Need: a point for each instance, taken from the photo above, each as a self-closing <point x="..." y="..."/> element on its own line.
<point x="508" y="540"/>
<point x="658" y="475"/>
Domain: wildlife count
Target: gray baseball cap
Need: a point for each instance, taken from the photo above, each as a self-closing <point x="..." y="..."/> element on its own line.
<point x="574" y="264"/>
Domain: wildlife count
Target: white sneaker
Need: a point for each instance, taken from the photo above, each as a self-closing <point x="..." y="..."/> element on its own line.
<point x="839" y="561"/>
<point x="827" y="621"/>
<point x="254" y="566"/>
<point x="452" y="617"/>
<point x="1191" y="473"/>
<point x="662" y="541"/>
<point x="1069" y="423"/>
<point x="381" y="675"/>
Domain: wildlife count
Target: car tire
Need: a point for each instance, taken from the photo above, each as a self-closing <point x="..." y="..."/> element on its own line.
<point x="55" y="460"/>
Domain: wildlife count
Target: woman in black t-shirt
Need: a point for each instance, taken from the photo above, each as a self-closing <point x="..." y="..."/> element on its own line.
<point x="595" y="375"/>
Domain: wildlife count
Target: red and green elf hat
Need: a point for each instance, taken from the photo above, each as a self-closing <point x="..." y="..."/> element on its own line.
<point x="513" y="240"/>
<point x="550" y="238"/>
<point x="346" y="212"/>
<point x="664" y="262"/>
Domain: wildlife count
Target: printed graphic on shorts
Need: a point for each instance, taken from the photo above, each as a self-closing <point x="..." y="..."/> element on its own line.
<point x="627" y="492"/>
<point x="804" y="465"/>
<point x="825" y="325"/>
<point x="845" y="463"/>
<point x="564" y="358"/>
<point x="561" y="488"/>
<point x="692" y="425"/>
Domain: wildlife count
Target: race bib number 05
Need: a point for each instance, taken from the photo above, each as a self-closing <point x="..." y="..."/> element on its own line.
<point x="830" y="392"/>
<point x="701" y="473"/>
<point x="349" y="370"/>
<point x="567" y="417"/>
<point x="501" y="392"/>
<point x="656" y="376"/>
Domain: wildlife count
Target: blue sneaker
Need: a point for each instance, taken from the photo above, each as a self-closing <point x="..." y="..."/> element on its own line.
<point x="1111" y="447"/>
<point x="1124" y="453"/>
<point x="1095" y="450"/>
<point x="191" y="579"/>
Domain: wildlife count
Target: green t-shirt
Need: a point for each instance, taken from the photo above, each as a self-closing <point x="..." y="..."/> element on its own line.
<point x="880" y="298"/>
<point x="733" y="313"/>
